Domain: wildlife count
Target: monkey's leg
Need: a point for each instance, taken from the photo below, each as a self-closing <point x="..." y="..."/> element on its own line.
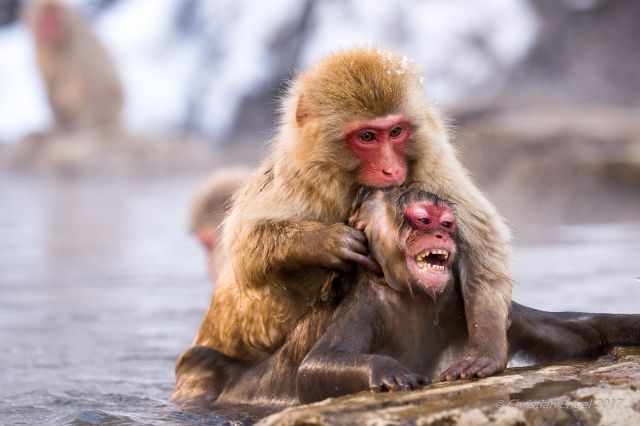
<point x="202" y="372"/>
<point x="326" y="373"/>
<point x="554" y="336"/>
<point x="343" y="361"/>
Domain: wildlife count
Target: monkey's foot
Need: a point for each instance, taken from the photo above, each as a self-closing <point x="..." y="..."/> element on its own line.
<point x="473" y="365"/>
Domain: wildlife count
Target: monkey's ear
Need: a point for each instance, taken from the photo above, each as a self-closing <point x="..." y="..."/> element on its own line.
<point x="302" y="111"/>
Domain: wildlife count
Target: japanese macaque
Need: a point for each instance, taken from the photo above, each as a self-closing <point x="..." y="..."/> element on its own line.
<point x="357" y="118"/>
<point x="83" y="87"/>
<point x="210" y="205"/>
<point x="396" y="332"/>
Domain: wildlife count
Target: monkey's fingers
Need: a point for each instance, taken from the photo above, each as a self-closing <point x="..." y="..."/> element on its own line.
<point x="389" y="384"/>
<point x="486" y="367"/>
<point x="455" y="371"/>
<point x="357" y="246"/>
<point x="339" y="263"/>
<point x="365" y="261"/>
<point x="474" y="367"/>
<point x="357" y="235"/>
<point x="359" y="225"/>
<point x="411" y="381"/>
<point x="381" y="385"/>
<point x="353" y="219"/>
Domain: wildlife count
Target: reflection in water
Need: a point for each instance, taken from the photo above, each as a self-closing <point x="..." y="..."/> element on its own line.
<point x="102" y="288"/>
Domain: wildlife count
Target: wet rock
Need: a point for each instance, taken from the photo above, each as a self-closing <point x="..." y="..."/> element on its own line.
<point x="582" y="138"/>
<point x="601" y="392"/>
<point x="581" y="164"/>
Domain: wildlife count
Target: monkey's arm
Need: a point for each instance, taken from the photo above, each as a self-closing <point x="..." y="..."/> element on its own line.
<point x="343" y="361"/>
<point x="264" y="247"/>
<point x="542" y="336"/>
<point x="485" y="274"/>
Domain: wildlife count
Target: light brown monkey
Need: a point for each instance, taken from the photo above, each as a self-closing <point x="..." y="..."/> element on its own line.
<point x="211" y="202"/>
<point x="83" y="88"/>
<point x="357" y="118"/>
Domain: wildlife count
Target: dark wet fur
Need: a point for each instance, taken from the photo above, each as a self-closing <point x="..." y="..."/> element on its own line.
<point x="365" y="335"/>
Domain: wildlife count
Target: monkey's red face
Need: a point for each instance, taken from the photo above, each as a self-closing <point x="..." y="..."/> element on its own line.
<point x="380" y="145"/>
<point x="411" y="234"/>
<point x="430" y="248"/>
<point x="207" y="237"/>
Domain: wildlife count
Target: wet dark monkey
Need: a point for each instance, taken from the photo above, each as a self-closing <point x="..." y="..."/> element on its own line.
<point x="396" y="332"/>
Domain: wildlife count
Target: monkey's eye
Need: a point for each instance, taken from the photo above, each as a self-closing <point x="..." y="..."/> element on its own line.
<point x="395" y="132"/>
<point x="424" y="220"/>
<point x="367" y="136"/>
<point x="446" y="224"/>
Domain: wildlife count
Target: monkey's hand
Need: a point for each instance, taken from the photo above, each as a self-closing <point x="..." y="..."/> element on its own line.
<point x="387" y="374"/>
<point x="474" y="364"/>
<point x="337" y="246"/>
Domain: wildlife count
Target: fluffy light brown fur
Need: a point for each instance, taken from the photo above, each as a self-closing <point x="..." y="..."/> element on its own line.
<point x="83" y="87"/>
<point x="308" y="183"/>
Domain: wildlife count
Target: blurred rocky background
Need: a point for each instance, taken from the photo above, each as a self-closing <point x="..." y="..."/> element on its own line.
<point x="542" y="94"/>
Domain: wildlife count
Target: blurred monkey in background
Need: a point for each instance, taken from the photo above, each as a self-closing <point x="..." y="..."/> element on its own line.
<point x="211" y="202"/>
<point x="83" y="88"/>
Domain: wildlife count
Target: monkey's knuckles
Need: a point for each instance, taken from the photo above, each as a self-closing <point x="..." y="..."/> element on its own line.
<point x="389" y="378"/>
<point x="339" y="248"/>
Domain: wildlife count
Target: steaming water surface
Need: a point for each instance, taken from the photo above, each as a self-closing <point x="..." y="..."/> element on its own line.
<point x="101" y="288"/>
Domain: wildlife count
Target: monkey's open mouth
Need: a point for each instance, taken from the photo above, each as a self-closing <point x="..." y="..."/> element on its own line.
<point x="430" y="267"/>
<point x="434" y="260"/>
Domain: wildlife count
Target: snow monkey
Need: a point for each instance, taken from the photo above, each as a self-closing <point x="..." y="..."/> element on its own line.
<point x="358" y="118"/>
<point x="83" y="87"/>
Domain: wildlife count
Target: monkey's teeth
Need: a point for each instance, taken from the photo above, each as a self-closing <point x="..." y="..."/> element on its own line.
<point x="444" y="253"/>
<point x="437" y="268"/>
<point x="421" y="257"/>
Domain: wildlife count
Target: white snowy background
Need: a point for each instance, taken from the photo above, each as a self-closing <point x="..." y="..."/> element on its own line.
<point x="229" y="49"/>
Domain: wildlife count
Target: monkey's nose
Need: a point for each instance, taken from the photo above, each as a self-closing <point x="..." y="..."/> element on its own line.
<point x="395" y="174"/>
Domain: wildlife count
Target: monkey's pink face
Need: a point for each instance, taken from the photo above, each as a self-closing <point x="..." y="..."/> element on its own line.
<point x="49" y="24"/>
<point x="380" y="144"/>
<point x="207" y="237"/>
<point x="429" y="243"/>
<point x="412" y="235"/>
